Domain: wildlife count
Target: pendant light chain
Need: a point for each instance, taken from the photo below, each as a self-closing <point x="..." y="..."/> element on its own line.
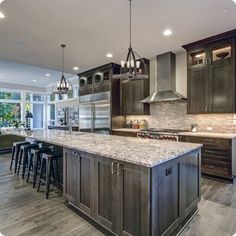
<point x="130" y="22"/>
<point x="64" y="85"/>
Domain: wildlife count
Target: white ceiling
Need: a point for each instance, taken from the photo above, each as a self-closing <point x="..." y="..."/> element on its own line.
<point x="15" y="73"/>
<point x="33" y="30"/>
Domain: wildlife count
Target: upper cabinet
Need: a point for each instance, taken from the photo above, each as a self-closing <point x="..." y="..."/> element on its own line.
<point x="97" y="80"/>
<point x="211" y="74"/>
<point x="132" y="92"/>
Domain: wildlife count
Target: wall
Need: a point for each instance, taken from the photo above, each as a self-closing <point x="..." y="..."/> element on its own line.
<point x="20" y="87"/>
<point x="174" y="114"/>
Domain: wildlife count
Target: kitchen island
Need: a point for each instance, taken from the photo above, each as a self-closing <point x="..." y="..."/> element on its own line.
<point x="128" y="185"/>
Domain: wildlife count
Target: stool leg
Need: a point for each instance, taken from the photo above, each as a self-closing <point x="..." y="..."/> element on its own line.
<point x="48" y="175"/>
<point x="29" y="167"/>
<point x="17" y="153"/>
<point x="57" y="169"/>
<point x="12" y="156"/>
<point x="35" y="167"/>
<point x="20" y="160"/>
<point x="25" y="161"/>
<point x="40" y="174"/>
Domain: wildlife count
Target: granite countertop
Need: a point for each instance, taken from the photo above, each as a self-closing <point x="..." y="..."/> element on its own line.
<point x="138" y="151"/>
<point x="210" y="135"/>
<point x="126" y="130"/>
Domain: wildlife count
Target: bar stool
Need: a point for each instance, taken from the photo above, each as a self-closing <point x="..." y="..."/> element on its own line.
<point x="34" y="162"/>
<point x="24" y="155"/>
<point x="15" y="153"/>
<point x="46" y="169"/>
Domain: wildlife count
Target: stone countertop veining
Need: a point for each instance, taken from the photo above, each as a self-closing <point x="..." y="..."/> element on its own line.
<point x="210" y="135"/>
<point x="138" y="151"/>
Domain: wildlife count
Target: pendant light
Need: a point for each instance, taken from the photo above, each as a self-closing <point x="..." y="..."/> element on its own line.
<point x="64" y="85"/>
<point x="134" y="67"/>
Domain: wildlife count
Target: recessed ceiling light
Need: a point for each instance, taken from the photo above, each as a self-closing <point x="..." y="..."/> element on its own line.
<point x="109" y="55"/>
<point x="1" y="1"/>
<point x="225" y="11"/>
<point x="34" y="80"/>
<point x="167" y="32"/>
<point x="48" y="75"/>
<point x="75" y="68"/>
<point x="234" y="1"/>
<point x="2" y="16"/>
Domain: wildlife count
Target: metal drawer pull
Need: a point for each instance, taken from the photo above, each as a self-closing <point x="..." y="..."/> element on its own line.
<point x="113" y="171"/>
<point x="119" y="169"/>
<point x="209" y="151"/>
<point x="209" y="140"/>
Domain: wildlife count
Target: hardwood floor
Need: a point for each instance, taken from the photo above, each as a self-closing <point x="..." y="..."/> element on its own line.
<point x="23" y="211"/>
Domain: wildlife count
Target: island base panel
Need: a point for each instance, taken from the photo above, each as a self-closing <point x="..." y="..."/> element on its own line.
<point x="129" y="199"/>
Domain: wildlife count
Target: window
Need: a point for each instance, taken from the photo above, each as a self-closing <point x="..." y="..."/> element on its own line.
<point x="10" y="114"/>
<point x="51" y="114"/>
<point x="35" y="97"/>
<point x="10" y="95"/>
<point x="37" y="110"/>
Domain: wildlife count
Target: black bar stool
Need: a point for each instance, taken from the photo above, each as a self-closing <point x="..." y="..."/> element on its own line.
<point x="34" y="162"/>
<point x="24" y="156"/>
<point x="15" y="153"/>
<point x="46" y="169"/>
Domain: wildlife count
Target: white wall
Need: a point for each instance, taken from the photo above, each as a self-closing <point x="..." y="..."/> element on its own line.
<point x="20" y="87"/>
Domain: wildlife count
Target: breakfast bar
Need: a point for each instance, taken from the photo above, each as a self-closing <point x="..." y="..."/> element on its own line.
<point x="130" y="186"/>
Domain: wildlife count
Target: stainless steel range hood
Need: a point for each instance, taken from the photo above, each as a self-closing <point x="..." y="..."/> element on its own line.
<point x="165" y="80"/>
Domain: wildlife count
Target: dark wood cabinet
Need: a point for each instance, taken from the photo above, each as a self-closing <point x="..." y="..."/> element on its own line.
<point x="132" y="92"/>
<point x="218" y="156"/>
<point x="211" y="74"/>
<point x="133" y="200"/>
<point x="78" y="179"/>
<point x="197" y="98"/>
<point x="105" y="194"/>
<point x="118" y="196"/>
<point x="97" y="80"/>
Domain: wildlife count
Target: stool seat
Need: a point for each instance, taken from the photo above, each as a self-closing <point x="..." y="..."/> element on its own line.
<point x="46" y="169"/>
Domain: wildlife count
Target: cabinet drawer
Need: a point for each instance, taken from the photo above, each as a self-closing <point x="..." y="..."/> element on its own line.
<point x="211" y="143"/>
<point x="218" y="168"/>
<point x="216" y="154"/>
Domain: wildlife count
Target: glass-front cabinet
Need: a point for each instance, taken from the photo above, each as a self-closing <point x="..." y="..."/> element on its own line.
<point x="211" y="84"/>
<point x="197" y="57"/>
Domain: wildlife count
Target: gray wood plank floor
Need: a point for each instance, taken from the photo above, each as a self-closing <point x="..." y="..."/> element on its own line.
<point x="23" y="211"/>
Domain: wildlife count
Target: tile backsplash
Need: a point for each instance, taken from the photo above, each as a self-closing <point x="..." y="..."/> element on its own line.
<point x="174" y="115"/>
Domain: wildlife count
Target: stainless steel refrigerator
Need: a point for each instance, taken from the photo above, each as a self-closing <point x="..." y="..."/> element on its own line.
<point x="95" y="117"/>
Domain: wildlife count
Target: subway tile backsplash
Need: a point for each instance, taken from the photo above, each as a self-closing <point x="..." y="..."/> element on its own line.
<point x="174" y="115"/>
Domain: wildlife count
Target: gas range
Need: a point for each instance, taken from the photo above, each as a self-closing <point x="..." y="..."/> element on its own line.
<point x="161" y="134"/>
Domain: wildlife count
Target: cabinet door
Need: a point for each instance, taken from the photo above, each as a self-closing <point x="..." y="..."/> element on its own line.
<point x="222" y="78"/>
<point x="133" y="218"/>
<point x="137" y="96"/>
<point x="190" y="180"/>
<point x="197" y="90"/>
<point x="84" y="182"/>
<point x="105" y="193"/>
<point x="70" y="178"/>
<point x="126" y="98"/>
<point x="167" y="199"/>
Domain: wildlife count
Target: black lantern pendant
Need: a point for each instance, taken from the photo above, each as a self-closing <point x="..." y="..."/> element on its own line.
<point x="134" y="67"/>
